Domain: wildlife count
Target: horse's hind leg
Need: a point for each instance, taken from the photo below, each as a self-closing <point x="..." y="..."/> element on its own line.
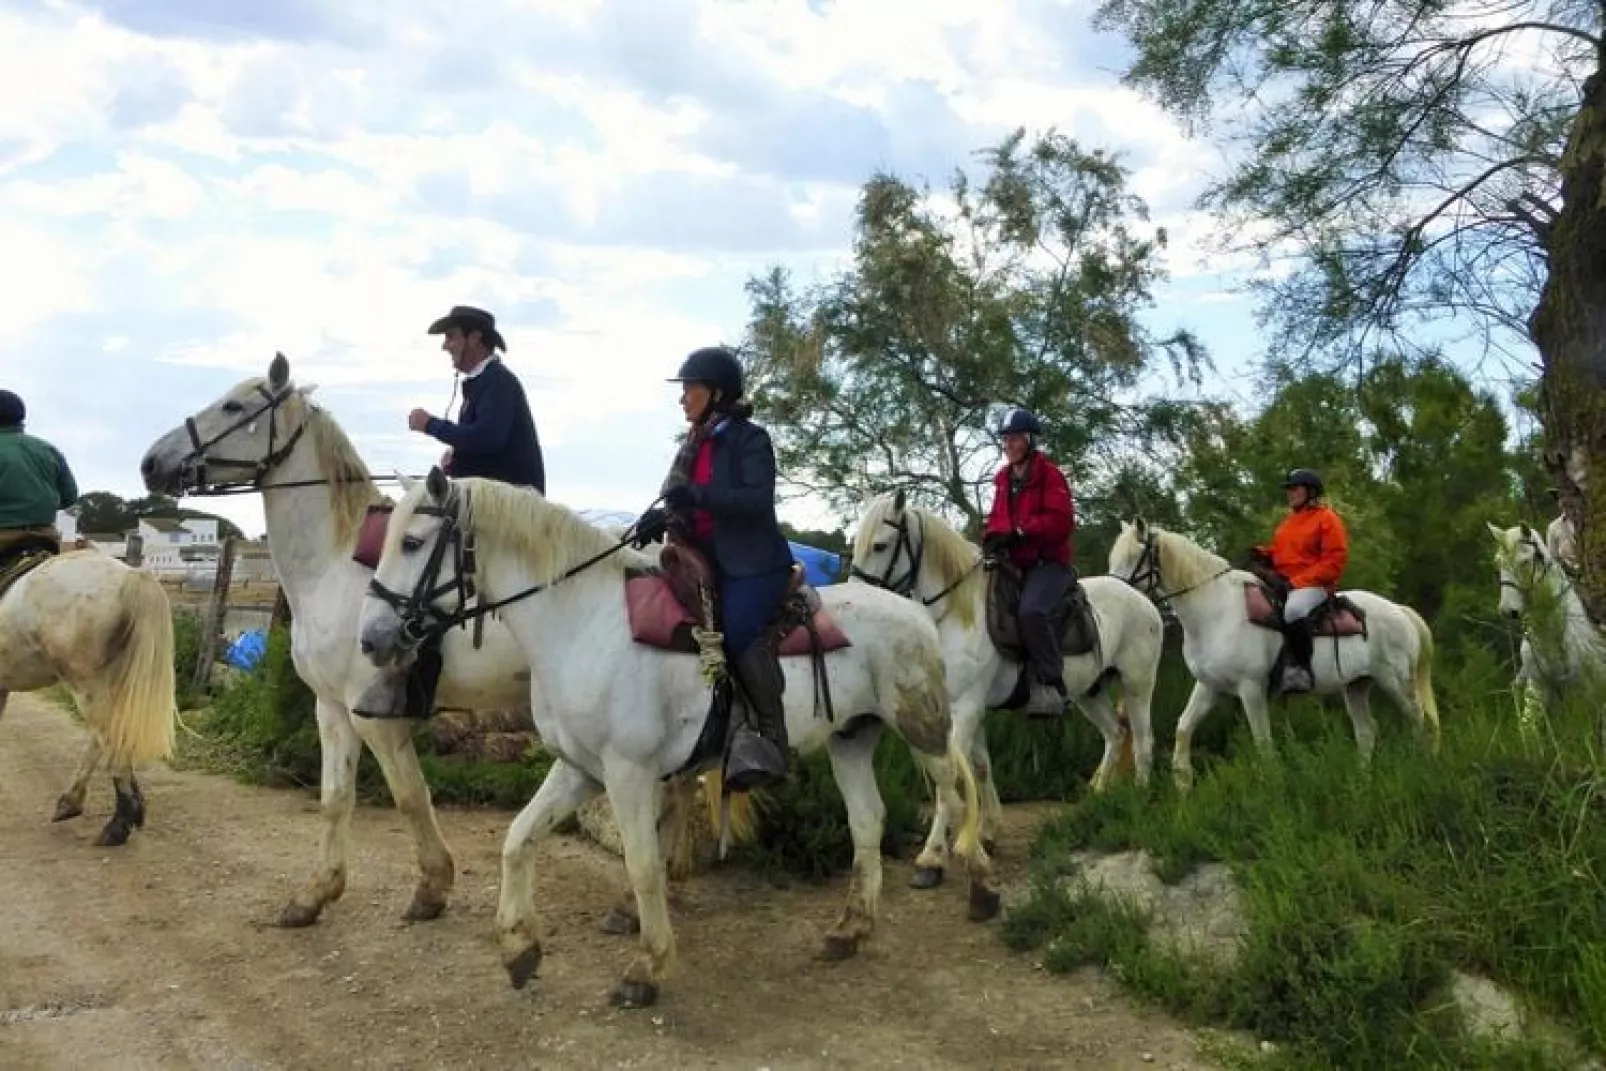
<point x="70" y="804"/>
<point x="633" y="792"/>
<point x="677" y="844"/>
<point x="967" y="716"/>
<point x="339" y="748"/>
<point x="391" y="741"/>
<point x="853" y="765"/>
<point x="129" y="813"/>
<point x="1101" y="713"/>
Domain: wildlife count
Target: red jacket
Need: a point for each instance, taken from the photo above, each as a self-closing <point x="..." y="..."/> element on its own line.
<point x="1042" y="512"/>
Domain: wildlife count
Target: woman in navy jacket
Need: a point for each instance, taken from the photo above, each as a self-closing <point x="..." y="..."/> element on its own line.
<point x="720" y="497"/>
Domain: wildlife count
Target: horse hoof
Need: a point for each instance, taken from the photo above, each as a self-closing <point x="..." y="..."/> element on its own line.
<point x="837" y="947"/>
<point x="113" y="836"/>
<point x="422" y="910"/>
<point x="635" y="994"/>
<point x="296" y="917"/>
<point x="65" y="809"/>
<point x="522" y="967"/>
<point x="985" y="904"/>
<point x="926" y="877"/>
<point x="619" y="923"/>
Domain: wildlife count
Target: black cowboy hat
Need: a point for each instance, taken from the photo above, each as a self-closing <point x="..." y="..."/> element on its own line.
<point x="468" y="318"/>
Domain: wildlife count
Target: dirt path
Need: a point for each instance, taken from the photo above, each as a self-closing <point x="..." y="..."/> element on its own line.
<point x="158" y="955"/>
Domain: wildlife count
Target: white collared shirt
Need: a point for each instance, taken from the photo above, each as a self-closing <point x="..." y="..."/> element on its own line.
<point x="480" y="367"/>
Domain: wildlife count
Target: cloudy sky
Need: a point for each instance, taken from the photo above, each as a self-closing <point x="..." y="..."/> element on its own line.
<point x="187" y="186"/>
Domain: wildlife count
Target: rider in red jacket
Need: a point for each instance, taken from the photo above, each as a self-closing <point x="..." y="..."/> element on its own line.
<point x="1034" y="521"/>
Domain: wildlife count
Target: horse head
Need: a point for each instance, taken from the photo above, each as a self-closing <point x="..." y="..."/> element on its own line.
<point x="889" y="545"/>
<point x="233" y="442"/>
<point x="1134" y="557"/>
<point x="1522" y="560"/>
<point x="423" y="581"/>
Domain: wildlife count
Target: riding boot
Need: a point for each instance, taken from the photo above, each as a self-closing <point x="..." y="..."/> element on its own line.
<point x="759" y="750"/>
<point x="1299" y="645"/>
<point x="1046" y="700"/>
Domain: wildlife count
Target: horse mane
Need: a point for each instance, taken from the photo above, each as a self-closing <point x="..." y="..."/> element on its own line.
<point x="547" y="534"/>
<point x="946" y="552"/>
<point x="351" y="488"/>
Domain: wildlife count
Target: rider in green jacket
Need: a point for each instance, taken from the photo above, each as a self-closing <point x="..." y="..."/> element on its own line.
<point x="35" y="482"/>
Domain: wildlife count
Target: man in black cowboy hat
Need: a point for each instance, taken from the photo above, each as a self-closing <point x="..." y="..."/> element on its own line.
<point x="494" y="434"/>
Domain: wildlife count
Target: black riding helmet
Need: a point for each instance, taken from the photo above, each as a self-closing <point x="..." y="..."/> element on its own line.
<point x="715" y="366"/>
<point x="12" y="411"/>
<point x="1019" y="422"/>
<point x="1306" y="478"/>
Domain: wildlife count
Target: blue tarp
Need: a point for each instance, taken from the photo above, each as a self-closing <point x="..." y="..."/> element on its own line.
<point x="247" y="651"/>
<point x="821" y="567"/>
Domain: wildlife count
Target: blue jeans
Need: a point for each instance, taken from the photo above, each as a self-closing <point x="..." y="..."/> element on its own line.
<point x="748" y="605"/>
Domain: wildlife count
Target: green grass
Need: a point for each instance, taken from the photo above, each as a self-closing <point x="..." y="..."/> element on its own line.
<point x="1361" y="891"/>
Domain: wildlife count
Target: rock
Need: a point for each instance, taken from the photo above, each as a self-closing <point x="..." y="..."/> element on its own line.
<point x="1487" y="1010"/>
<point x="1201" y="914"/>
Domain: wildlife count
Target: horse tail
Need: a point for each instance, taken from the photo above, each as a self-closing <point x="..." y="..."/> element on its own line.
<point x="967" y="845"/>
<point x="136" y="693"/>
<point x="743" y="828"/>
<point x="1422" y="677"/>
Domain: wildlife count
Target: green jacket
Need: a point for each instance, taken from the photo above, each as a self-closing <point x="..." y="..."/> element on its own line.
<point x="35" y="481"/>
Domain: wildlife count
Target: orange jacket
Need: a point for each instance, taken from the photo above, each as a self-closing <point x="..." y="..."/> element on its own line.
<point x="1310" y="548"/>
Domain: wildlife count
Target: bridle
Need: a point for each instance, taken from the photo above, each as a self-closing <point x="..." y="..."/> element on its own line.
<point x="193" y="465"/>
<point x="421" y="618"/>
<point x="906" y="544"/>
<point x="1537" y="569"/>
<point x="1146" y="574"/>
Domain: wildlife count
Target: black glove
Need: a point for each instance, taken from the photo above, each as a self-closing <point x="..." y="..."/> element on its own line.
<point x="1258" y="556"/>
<point x="997" y="542"/>
<point x="680" y="498"/>
<point x="649" y="528"/>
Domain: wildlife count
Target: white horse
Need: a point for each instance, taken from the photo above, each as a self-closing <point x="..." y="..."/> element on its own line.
<point x="915" y="553"/>
<point x="622" y="715"/>
<point x="1559" y="642"/>
<point x="105" y="631"/>
<point x="265" y="435"/>
<point x="1229" y="653"/>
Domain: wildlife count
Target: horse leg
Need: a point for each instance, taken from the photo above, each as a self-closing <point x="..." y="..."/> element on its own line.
<point x="967" y="715"/>
<point x="1252" y="694"/>
<point x="1357" y="700"/>
<point x="70" y="804"/>
<point x="340" y="748"/>
<point x="633" y="791"/>
<point x="563" y="790"/>
<point x="853" y="766"/>
<point x="1098" y="710"/>
<point x="676" y="843"/>
<point x="391" y="741"/>
<point x="992" y="813"/>
<point x="129" y="813"/>
<point x="1200" y="700"/>
<point x="1139" y="724"/>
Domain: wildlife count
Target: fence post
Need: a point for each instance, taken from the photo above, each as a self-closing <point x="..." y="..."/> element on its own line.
<point x="212" y="626"/>
<point x="281" y="612"/>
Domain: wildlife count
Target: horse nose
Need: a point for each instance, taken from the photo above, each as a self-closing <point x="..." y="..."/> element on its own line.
<point x="367" y="646"/>
<point x="147" y="467"/>
<point x="1512" y="615"/>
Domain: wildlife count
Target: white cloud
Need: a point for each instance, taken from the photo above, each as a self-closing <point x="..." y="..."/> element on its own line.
<point x="193" y="188"/>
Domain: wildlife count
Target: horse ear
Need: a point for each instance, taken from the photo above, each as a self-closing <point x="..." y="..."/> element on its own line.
<point x="407" y="482"/>
<point x="899" y="500"/>
<point x="1497" y="533"/>
<point x="1527" y="533"/>
<point x="279" y="371"/>
<point x="1140" y="528"/>
<point x="436" y="483"/>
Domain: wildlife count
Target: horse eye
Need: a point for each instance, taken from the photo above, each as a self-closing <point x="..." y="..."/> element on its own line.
<point x="232" y="407"/>
<point x="411" y="543"/>
<point x="879" y="547"/>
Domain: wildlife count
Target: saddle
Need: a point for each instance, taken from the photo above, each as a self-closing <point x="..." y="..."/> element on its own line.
<point x="1078" y="629"/>
<point x="371" y="536"/>
<point x="25" y="555"/>
<point x="665" y="604"/>
<point x="1265" y="598"/>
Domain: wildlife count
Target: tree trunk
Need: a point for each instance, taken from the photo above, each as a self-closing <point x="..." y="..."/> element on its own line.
<point x="1569" y="328"/>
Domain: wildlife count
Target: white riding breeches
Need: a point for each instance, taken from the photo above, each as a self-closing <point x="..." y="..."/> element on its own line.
<point x="1302" y="601"/>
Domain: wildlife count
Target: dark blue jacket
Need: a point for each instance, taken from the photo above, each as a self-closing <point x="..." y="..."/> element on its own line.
<point x="741" y="496"/>
<point x="494" y="435"/>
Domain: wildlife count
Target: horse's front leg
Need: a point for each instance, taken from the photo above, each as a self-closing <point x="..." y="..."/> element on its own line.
<point x="339" y="749"/>
<point x="1357" y="700"/>
<point x="391" y="741"/>
<point x="563" y="790"/>
<point x="633" y="792"/>
<point x="1200" y="700"/>
<point x="70" y="804"/>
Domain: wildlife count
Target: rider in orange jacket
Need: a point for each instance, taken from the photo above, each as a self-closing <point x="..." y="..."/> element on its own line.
<point x="1309" y="549"/>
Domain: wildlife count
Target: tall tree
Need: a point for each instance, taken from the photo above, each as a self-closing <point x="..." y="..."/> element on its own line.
<point x="1429" y="161"/>
<point x="1028" y="291"/>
